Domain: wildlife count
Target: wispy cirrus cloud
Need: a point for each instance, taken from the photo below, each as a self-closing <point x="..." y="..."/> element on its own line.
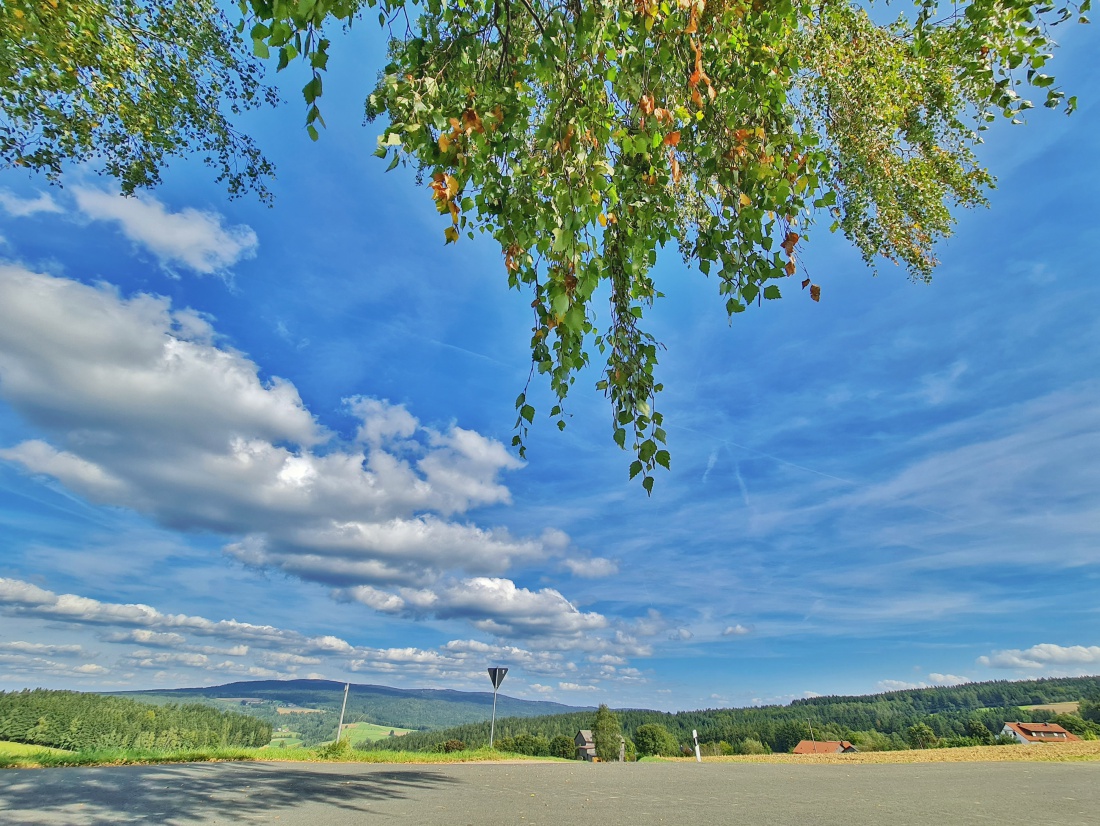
<point x="40" y="649"/>
<point x="592" y="568"/>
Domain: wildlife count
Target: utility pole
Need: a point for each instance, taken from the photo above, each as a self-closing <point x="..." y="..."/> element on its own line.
<point x="497" y="677"/>
<point x="343" y="708"/>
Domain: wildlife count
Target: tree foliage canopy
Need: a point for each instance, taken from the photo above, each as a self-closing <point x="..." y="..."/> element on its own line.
<point x="653" y="738"/>
<point x="606" y="734"/>
<point x="582" y="137"/>
<point x="127" y="84"/>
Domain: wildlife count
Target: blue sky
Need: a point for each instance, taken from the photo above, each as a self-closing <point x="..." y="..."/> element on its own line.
<point x="244" y="442"/>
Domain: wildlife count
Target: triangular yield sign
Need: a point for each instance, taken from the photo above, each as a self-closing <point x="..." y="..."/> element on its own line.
<point x="497" y="676"/>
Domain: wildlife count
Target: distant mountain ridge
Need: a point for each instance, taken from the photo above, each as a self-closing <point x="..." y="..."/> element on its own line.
<point x="417" y="708"/>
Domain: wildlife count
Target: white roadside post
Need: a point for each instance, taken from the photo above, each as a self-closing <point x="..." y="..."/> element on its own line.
<point x="343" y="708"/>
<point x="695" y="737"/>
<point x="497" y="677"/>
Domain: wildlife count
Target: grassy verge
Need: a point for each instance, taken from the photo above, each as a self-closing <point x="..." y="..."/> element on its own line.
<point x="41" y="758"/>
<point x="18" y="755"/>
<point x="23" y="749"/>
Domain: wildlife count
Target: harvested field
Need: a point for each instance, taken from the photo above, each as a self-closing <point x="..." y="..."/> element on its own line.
<point x="1037" y="752"/>
<point x="1070" y="707"/>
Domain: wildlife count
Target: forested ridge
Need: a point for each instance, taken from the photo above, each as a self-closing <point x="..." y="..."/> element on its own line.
<point x="396" y="707"/>
<point x="954" y="714"/>
<point x="83" y="722"/>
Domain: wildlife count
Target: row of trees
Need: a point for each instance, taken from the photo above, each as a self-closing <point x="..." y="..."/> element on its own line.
<point x="873" y="723"/>
<point x="973" y="696"/>
<point x="84" y="722"/>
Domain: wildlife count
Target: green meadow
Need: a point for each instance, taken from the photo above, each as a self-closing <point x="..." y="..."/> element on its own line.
<point x="369" y="732"/>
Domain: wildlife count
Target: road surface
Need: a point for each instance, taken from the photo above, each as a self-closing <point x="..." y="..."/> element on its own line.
<point x="552" y="794"/>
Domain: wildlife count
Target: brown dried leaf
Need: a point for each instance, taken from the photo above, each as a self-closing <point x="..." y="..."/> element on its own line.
<point x="789" y="242"/>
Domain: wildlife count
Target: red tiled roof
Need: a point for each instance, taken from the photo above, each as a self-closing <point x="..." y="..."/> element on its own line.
<point x="1042" y="732"/>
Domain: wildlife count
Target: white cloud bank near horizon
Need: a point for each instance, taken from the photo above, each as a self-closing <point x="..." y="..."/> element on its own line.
<point x="128" y="638"/>
<point x="1059" y="660"/>
<point x="143" y="408"/>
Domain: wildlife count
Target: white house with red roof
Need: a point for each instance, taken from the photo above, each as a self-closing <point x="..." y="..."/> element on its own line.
<point x="1038" y="733"/>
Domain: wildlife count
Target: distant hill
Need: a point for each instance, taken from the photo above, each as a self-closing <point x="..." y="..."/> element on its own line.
<point x="416" y="708"/>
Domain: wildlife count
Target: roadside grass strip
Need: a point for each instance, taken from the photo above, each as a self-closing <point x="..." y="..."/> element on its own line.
<point x="18" y="755"/>
<point x="8" y="749"/>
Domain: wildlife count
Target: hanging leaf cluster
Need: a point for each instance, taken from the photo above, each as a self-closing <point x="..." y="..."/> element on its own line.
<point x="586" y="137"/>
<point x="583" y="137"/>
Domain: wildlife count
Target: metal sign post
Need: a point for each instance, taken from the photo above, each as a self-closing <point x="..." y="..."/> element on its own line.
<point x="497" y="677"/>
<point x="343" y="708"/>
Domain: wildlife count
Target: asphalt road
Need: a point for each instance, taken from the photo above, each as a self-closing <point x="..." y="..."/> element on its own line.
<point x="553" y="794"/>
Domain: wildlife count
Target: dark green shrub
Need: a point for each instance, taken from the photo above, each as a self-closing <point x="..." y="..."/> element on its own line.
<point x="563" y="746"/>
<point x="337" y="750"/>
<point x="532" y="744"/>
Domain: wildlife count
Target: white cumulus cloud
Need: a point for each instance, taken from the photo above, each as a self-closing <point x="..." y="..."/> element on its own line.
<point x="198" y="240"/>
<point x="22" y="207"/>
<point x="142" y="407"/>
<point x="737" y="630"/>
<point x="491" y="604"/>
<point x="1047" y="657"/>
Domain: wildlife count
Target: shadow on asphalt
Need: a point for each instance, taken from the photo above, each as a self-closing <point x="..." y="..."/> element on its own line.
<point x="239" y="792"/>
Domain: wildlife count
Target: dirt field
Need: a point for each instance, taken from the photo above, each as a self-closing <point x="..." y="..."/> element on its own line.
<point x="1038" y="752"/>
